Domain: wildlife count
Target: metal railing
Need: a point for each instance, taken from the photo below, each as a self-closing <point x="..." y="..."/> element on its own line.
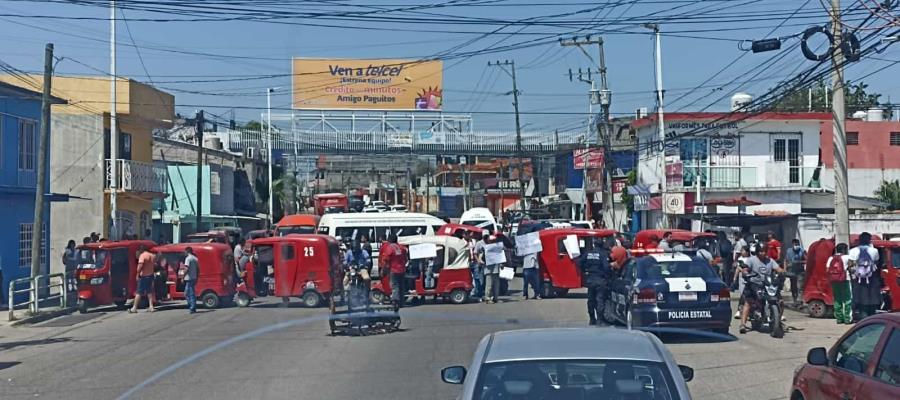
<point x="136" y="176"/>
<point x="35" y="289"/>
<point x="773" y="175"/>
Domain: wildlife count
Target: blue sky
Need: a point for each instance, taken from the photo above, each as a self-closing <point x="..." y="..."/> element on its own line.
<point x="244" y="51"/>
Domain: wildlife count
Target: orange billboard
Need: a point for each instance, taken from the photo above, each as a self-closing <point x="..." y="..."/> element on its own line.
<point x="357" y="84"/>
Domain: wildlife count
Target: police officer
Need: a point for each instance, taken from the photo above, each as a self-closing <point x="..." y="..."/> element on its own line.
<point x="596" y="272"/>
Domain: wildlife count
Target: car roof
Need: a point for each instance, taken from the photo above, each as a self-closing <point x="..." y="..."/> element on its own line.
<point x="670" y="257"/>
<point x="572" y="343"/>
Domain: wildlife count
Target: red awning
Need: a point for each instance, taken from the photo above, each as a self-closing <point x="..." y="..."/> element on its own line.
<point x="733" y="202"/>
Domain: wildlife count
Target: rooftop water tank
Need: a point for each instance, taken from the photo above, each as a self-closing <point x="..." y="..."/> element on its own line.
<point x="739" y="101"/>
<point x="875" y="115"/>
<point x="861" y="115"/>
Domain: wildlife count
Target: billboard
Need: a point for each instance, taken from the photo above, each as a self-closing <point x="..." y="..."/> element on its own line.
<point x="593" y="158"/>
<point x="373" y="84"/>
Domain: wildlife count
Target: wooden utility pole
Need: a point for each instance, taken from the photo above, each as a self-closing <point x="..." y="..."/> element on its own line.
<point x="37" y="229"/>
<point x="841" y="196"/>
<point x="199" y="136"/>
<point x="515" y="93"/>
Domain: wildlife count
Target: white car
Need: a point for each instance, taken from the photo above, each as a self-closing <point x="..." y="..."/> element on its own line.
<point x="372" y="210"/>
<point x="398" y="208"/>
<point x="571" y="363"/>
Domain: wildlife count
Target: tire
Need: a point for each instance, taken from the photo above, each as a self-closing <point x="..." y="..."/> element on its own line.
<point x="210" y="300"/>
<point x="242" y="299"/>
<point x="82" y="306"/>
<point x="547" y="289"/>
<point x="459" y="296"/>
<point x="311" y="299"/>
<point x="120" y="304"/>
<point x="376" y="296"/>
<point x="817" y="309"/>
<point x="557" y="292"/>
<point x="797" y="396"/>
<point x="629" y="319"/>
<point x="776" y="328"/>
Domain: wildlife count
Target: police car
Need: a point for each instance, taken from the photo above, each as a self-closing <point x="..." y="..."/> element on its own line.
<point x="670" y="290"/>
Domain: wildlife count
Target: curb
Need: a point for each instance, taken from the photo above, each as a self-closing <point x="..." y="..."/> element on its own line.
<point x="42" y="316"/>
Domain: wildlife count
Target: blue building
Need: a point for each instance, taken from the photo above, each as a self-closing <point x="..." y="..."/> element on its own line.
<point x="20" y="126"/>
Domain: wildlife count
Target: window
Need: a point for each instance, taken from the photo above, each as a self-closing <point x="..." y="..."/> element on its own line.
<point x="287" y="252"/>
<point x="26" y="232"/>
<point x="410" y="230"/>
<point x="852" y="138"/>
<point x="854" y="352"/>
<point x="888" y="368"/>
<point x="26" y="146"/>
<point x="895" y="138"/>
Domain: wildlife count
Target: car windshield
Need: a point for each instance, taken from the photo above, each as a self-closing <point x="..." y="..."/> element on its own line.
<point x="88" y="259"/>
<point x="287" y="230"/>
<point x="651" y="268"/>
<point x="483" y="224"/>
<point x="575" y="379"/>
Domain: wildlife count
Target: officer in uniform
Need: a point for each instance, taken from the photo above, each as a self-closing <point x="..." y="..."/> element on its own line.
<point x="596" y="273"/>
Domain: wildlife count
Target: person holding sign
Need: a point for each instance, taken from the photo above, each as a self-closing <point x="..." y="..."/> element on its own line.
<point x="494" y="257"/>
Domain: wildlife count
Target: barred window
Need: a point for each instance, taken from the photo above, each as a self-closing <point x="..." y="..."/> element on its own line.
<point x="852" y="138"/>
<point x="26" y="233"/>
<point x="895" y="138"/>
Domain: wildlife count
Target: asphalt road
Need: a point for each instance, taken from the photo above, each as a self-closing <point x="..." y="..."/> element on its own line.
<point x="268" y="352"/>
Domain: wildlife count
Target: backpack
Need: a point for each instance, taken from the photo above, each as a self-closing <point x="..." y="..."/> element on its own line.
<point x="864" y="265"/>
<point x="835" y="271"/>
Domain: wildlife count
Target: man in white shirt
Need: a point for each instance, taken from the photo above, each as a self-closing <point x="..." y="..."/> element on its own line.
<point x="531" y="275"/>
<point x="865" y="277"/>
<point x="840" y="290"/>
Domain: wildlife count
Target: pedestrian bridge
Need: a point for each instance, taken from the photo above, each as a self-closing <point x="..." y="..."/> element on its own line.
<point x="426" y="142"/>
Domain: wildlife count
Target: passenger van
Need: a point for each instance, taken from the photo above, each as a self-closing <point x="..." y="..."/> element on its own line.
<point x="480" y="217"/>
<point x="377" y="226"/>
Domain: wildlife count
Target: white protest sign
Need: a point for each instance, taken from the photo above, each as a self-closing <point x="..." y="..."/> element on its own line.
<point x="422" y="250"/>
<point x="494" y="254"/>
<point x="528" y="243"/>
<point x="571" y="243"/>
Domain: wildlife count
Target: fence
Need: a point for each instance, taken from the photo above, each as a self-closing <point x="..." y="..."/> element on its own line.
<point x="35" y="290"/>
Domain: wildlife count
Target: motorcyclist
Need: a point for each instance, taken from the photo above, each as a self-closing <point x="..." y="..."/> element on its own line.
<point x="755" y="272"/>
<point x="356" y="262"/>
<point x="596" y="272"/>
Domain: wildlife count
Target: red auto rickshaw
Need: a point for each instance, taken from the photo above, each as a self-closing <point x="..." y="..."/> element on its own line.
<point x="300" y="266"/>
<point x="459" y="230"/>
<point x="648" y="239"/>
<point x="817" y="289"/>
<point x="107" y="272"/>
<point x="215" y="282"/>
<point x="450" y="277"/>
<point x="558" y="270"/>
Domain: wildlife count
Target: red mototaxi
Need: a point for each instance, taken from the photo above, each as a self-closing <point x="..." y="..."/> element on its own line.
<point x="215" y="281"/>
<point x="817" y="289"/>
<point x="558" y="270"/>
<point x="109" y="275"/>
<point x="453" y="280"/>
<point x="459" y="229"/>
<point x="307" y="266"/>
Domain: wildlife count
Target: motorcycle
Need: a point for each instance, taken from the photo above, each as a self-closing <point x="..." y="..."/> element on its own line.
<point x="356" y="284"/>
<point x="765" y="307"/>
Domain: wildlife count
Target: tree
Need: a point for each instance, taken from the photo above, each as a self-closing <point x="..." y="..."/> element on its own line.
<point x="856" y="98"/>
<point x="254" y="125"/>
<point x="889" y="192"/>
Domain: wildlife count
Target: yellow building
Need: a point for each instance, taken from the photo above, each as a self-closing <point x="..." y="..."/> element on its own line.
<point x="80" y="152"/>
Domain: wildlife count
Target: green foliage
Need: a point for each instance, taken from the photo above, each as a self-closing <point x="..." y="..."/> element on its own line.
<point x="628" y="199"/>
<point x="856" y="98"/>
<point x="889" y="192"/>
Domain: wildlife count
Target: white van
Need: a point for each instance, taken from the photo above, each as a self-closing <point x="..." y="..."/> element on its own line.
<point x="377" y="226"/>
<point x="480" y="217"/>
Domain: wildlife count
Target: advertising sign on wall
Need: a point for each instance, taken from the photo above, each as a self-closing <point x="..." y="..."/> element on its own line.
<point x="327" y="83"/>
<point x="593" y="158"/>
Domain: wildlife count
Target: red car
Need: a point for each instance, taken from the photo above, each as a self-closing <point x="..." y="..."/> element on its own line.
<point x="864" y="364"/>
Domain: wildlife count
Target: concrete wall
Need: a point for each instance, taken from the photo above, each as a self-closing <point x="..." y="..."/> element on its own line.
<point x="822" y="226"/>
<point x="874" y="150"/>
<point x="862" y="182"/>
<point x="76" y="168"/>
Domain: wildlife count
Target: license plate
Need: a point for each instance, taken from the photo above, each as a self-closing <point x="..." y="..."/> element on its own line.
<point x="687" y="296"/>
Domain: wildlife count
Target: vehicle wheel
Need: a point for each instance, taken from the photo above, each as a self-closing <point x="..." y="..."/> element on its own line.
<point x="120" y="304"/>
<point x="376" y="296"/>
<point x="459" y="296"/>
<point x="755" y="324"/>
<point x="547" y="288"/>
<point x="311" y="299"/>
<point x="242" y="299"/>
<point x="797" y="396"/>
<point x="817" y="309"/>
<point x="82" y="306"/>
<point x="210" y="300"/>
<point x="776" y="327"/>
<point x="629" y="319"/>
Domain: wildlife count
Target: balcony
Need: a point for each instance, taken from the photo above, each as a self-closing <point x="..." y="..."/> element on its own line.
<point x="136" y="177"/>
<point x="770" y="176"/>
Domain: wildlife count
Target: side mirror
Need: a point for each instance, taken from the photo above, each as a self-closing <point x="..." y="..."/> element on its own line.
<point x="454" y="375"/>
<point x="686" y="372"/>
<point x="817" y="356"/>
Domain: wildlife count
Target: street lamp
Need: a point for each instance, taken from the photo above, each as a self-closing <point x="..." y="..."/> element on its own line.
<point x="269" y="150"/>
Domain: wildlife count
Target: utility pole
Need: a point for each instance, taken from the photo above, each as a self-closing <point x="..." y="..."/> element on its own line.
<point x="37" y="229"/>
<point x="515" y="93"/>
<point x="113" y="129"/>
<point x="841" y="197"/>
<point x="660" y="117"/>
<point x="604" y="98"/>
<point x="269" y="155"/>
<point x="199" y="217"/>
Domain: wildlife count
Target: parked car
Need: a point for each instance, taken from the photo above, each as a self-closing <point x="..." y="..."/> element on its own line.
<point x="571" y="363"/>
<point x="398" y="208"/>
<point x="863" y="364"/>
